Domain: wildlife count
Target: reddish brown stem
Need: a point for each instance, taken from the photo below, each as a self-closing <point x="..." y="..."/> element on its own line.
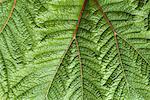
<point x="108" y="22"/>
<point x="9" y="16"/>
<point x="115" y="35"/>
<point x="77" y="44"/>
<point x="79" y="18"/>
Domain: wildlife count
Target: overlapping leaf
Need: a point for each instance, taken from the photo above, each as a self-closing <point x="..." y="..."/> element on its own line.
<point x="74" y="50"/>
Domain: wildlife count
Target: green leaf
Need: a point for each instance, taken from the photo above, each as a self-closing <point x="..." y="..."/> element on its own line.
<point x="74" y="50"/>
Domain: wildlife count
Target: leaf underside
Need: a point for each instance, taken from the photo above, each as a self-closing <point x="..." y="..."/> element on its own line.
<point x="74" y="50"/>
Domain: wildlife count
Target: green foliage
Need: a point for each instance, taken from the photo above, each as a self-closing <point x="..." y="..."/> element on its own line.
<point x="74" y="50"/>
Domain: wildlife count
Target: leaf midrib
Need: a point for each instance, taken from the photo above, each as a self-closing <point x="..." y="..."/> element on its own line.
<point x="78" y="50"/>
<point x="116" y="40"/>
<point x="115" y="37"/>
